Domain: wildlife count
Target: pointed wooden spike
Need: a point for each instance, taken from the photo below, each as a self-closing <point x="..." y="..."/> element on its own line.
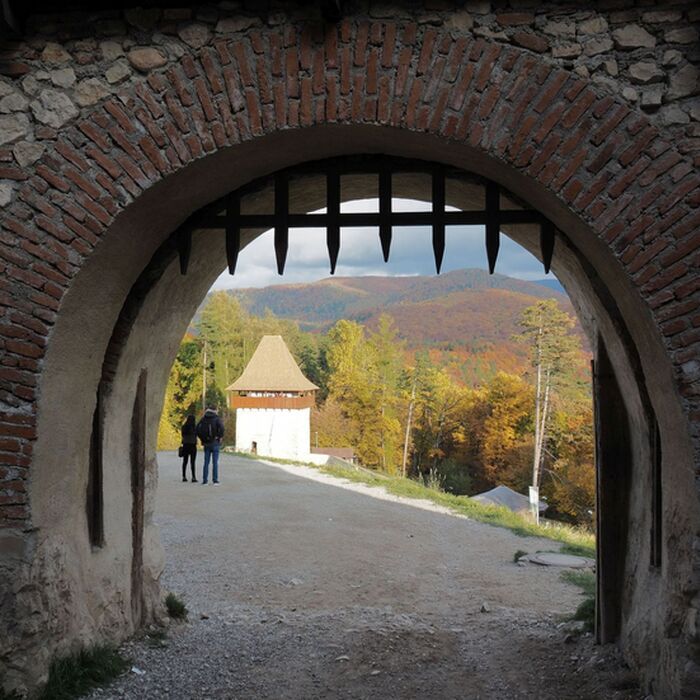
<point x="282" y="227"/>
<point x="184" y="248"/>
<point x="438" y="245"/>
<point x="493" y="243"/>
<point x="493" y="237"/>
<point x="281" y="246"/>
<point x="547" y="238"/>
<point x="233" y="233"/>
<point x="385" y="240"/>
<point x="385" y="212"/>
<point x="333" y="243"/>
<point x="438" y="216"/>
<point x="333" y="209"/>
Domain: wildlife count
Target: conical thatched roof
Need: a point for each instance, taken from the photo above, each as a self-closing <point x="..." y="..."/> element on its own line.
<point x="272" y="368"/>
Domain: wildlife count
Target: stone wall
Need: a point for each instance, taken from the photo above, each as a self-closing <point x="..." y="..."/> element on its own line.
<point x="114" y="127"/>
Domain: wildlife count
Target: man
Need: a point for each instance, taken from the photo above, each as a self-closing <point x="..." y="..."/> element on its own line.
<point x="210" y="430"/>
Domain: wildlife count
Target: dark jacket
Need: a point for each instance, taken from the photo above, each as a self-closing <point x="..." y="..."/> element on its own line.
<point x="189" y="434"/>
<point x="210" y="429"/>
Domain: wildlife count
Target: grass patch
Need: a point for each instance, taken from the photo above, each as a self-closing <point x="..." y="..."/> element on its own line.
<point x="586" y="613"/>
<point x="585" y="580"/>
<point x="579" y="550"/>
<point x="519" y="553"/>
<point x="175" y="607"/>
<point x="574" y="538"/>
<point x="73" y="676"/>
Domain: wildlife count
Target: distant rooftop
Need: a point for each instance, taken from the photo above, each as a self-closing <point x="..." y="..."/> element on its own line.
<point x="272" y="368"/>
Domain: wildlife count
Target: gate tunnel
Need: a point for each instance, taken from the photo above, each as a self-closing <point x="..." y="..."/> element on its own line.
<point x="148" y="320"/>
<point x="104" y="301"/>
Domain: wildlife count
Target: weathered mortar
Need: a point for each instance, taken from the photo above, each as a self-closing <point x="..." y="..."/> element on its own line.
<point x="151" y="91"/>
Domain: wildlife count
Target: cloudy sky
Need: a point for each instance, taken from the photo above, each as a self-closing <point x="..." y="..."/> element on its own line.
<point x="360" y="254"/>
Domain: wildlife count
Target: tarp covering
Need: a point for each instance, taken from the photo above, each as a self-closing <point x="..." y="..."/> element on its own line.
<point x="504" y="496"/>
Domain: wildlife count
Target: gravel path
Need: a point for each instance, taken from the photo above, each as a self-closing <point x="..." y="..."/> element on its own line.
<point x="300" y="585"/>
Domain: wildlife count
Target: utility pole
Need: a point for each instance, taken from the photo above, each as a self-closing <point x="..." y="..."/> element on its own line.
<point x="408" y="425"/>
<point x="204" y="378"/>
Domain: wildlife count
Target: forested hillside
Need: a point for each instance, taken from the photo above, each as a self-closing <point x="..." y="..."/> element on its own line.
<point x="466" y="319"/>
<point x="320" y="304"/>
<point x="465" y="416"/>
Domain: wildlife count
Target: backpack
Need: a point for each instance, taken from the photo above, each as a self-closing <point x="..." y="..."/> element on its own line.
<point x="206" y="431"/>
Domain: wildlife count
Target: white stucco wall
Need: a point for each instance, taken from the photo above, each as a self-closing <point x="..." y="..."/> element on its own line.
<point x="278" y="432"/>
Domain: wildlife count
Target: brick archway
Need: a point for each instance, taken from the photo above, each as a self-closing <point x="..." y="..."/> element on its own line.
<point x="117" y="181"/>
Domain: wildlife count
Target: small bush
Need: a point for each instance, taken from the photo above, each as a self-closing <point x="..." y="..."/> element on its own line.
<point x="517" y="555"/>
<point x="73" y="676"/>
<point x="156" y="638"/>
<point x="175" y="607"/>
<point x="434" y="480"/>
<point x="586" y="613"/>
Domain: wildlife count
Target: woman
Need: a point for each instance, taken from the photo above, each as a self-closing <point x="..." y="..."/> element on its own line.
<point x="189" y="446"/>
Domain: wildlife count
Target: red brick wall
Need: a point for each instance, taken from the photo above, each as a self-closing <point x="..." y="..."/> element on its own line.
<point x="596" y="153"/>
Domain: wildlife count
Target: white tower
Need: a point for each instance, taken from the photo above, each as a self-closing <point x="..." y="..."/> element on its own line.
<point x="273" y="402"/>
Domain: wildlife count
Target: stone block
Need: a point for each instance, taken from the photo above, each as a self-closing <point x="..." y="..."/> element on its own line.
<point x="630" y="94"/>
<point x="595" y="25"/>
<point x="662" y="16"/>
<point x="63" y="77"/>
<point x="117" y="72"/>
<point x="5" y="198"/>
<point x="673" y="114"/>
<point x="633" y="37"/>
<point x="672" y="57"/>
<point x="90" y="91"/>
<point x="13" y="127"/>
<point x="559" y="28"/>
<point x="146" y="58"/>
<point x="682" y="35"/>
<point x="195" y="35"/>
<point x="111" y="50"/>
<point x="684" y="82"/>
<point x="478" y="7"/>
<point x="55" y="54"/>
<point x="597" y="46"/>
<point x="53" y="108"/>
<point x="652" y="97"/>
<point x="231" y="25"/>
<point x="459" y="21"/>
<point x="27" y="152"/>
<point x="644" y="72"/>
<point x="14" y="102"/>
<point x="567" y="50"/>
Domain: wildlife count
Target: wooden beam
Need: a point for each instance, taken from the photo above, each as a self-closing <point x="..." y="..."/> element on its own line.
<point x="281" y="220"/>
<point x="547" y="239"/>
<point x="385" y="211"/>
<point x="373" y="219"/>
<point x="493" y="224"/>
<point x="333" y="209"/>
<point x="438" y="217"/>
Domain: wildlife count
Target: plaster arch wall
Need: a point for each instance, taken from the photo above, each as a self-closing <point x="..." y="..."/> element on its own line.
<point x="614" y="266"/>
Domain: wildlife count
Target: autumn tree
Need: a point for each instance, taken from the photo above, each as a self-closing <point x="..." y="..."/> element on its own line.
<point x="546" y="331"/>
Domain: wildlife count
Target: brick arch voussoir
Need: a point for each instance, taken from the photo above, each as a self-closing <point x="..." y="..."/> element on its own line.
<point x="602" y="159"/>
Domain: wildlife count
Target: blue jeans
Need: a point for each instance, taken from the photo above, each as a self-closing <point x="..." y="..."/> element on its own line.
<point x="211" y="452"/>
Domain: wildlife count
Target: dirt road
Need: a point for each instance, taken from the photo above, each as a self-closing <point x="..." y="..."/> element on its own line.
<point x="301" y="589"/>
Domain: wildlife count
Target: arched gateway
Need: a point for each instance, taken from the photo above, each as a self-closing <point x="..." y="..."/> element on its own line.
<point x="97" y="203"/>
